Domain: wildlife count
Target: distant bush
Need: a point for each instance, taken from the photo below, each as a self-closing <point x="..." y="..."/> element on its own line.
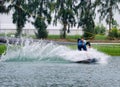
<point x="41" y="31"/>
<point x="114" y="33"/>
<point x="100" y="29"/>
<point x="118" y="34"/>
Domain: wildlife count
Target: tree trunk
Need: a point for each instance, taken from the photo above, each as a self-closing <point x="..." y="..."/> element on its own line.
<point x="110" y="20"/>
<point x="64" y="31"/>
<point x="19" y="32"/>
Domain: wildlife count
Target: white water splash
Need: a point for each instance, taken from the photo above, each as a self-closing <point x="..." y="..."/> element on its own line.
<point x="42" y="51"/>
<point x="75" y="55"/>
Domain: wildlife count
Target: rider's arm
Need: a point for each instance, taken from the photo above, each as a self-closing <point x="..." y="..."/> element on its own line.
<point x="88" y="43"/>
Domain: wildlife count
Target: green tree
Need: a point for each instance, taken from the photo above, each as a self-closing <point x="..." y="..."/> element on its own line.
<point x="41" y="28"/>
<point x="65" y="14"/>
<point x="85" y="13"/>
<point x="19" y="15"/>
<point x="3" y="8"/>
<point x="42" y="15"/>
<point x="107" y="9"/>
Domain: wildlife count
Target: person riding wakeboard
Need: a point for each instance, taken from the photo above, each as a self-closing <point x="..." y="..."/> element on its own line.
<point x="82" y="43"/>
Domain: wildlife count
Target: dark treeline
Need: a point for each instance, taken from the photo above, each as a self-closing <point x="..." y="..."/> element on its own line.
<point x="69" y="13"/>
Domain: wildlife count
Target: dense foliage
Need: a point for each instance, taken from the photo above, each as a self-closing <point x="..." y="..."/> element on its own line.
<point x="68" y="12"/>
<point x="19" y="15"/>
<point x="42" y="16"/>
<point x="100" y="29"/>
<point x="65" y="14"/>
<point x="114" y="33"/>
<point x="107" y="8"/>
<point x="41" y="28"/>
<point x="3" y="8"/>
<point x="86" y="14"/>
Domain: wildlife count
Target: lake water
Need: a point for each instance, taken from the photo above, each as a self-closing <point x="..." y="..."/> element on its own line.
<point x="41" y="64"/>
<point x="60" y="74"/>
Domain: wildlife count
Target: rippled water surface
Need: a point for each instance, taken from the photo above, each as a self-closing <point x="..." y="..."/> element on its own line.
<point x="60" y="74"/>
<point x="41" y="64"/>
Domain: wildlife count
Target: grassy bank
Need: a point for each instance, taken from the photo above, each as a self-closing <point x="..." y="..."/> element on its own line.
<point x="113" y="50"/>
<point x="73" y="38"/>
<point x="70" y="38"/>
<point x="2" y="49"/>
<point x="57" y="37"/>
<point x="110" y="49"/>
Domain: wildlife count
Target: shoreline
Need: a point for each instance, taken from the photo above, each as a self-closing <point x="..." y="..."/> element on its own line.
<point x="10" y="40"/>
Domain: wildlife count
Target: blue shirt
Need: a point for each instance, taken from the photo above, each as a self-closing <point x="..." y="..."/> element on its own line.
<point x="81" y="43"/>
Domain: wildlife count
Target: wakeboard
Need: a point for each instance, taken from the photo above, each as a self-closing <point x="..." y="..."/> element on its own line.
<point x="93" y="60"/>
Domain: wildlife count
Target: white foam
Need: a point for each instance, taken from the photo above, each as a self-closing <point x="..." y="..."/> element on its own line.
<point x="40" y="50"/>
<point x="75" y="55"/>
